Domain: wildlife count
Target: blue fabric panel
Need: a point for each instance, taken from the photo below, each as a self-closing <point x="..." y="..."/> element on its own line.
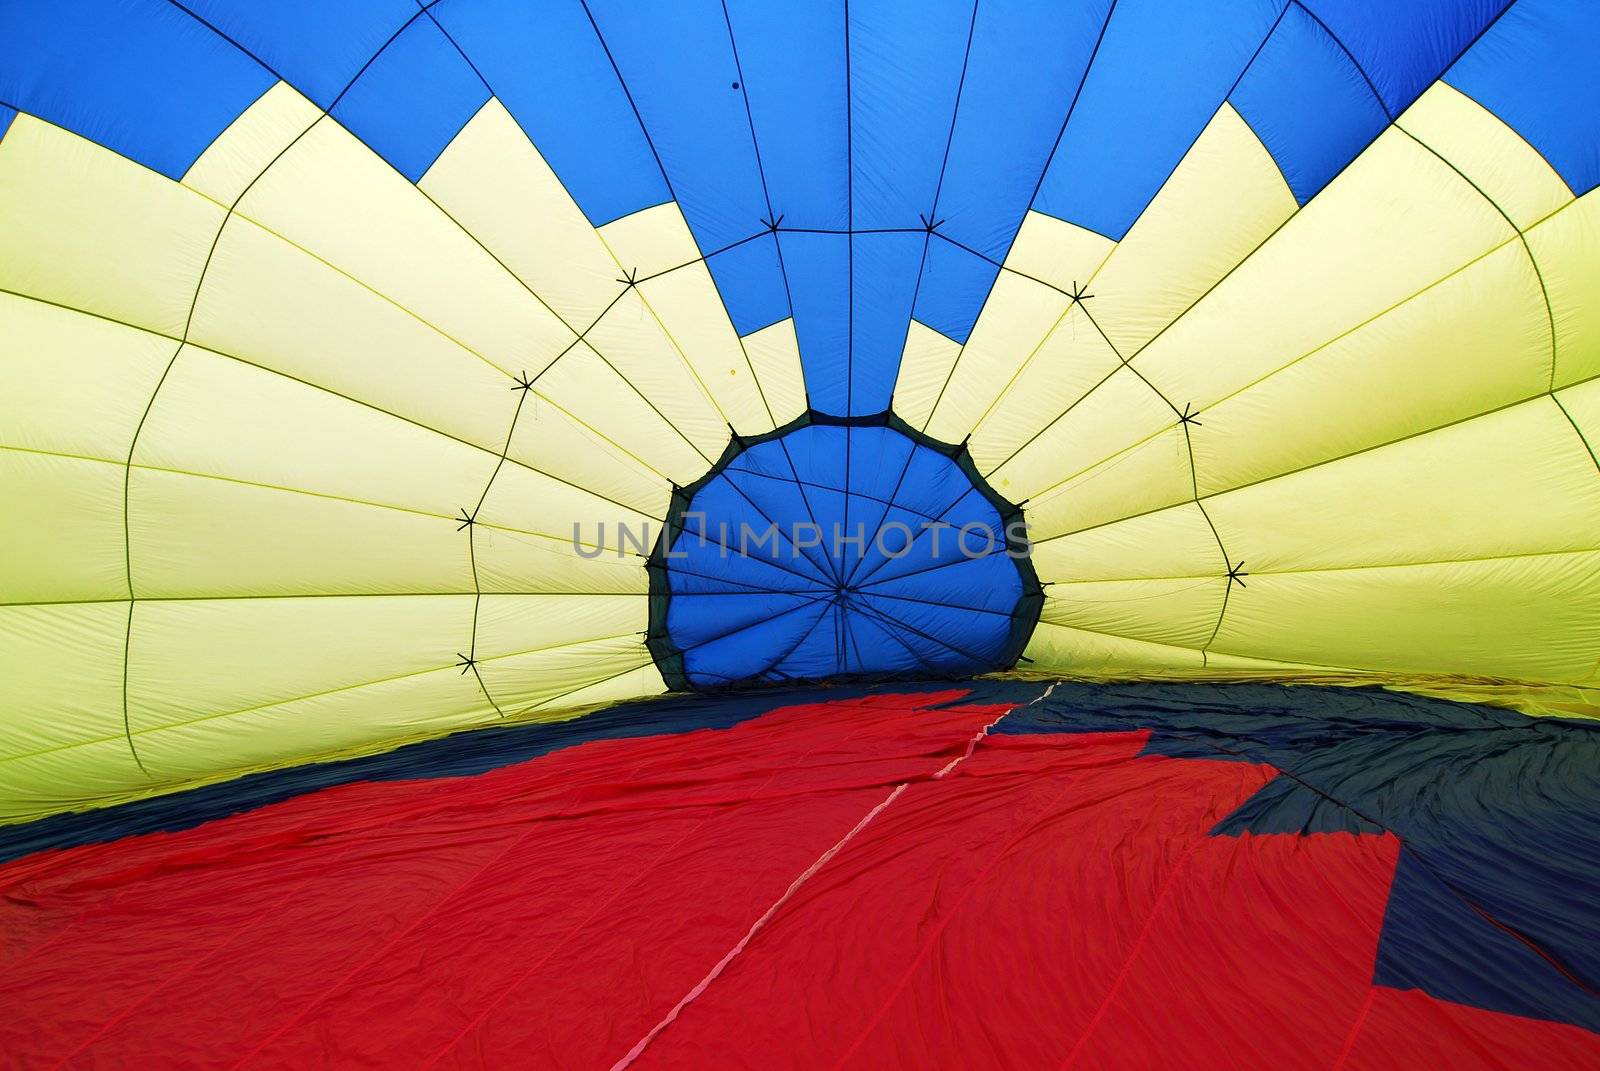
<point x="1026" y="62"/>
<point x="950" y="639"/>
<point x="793" y="60"/>
<point x="1536" y="70"/>
<point x="775" y="564"/>
<point x="733" y="655"/>
<point x="547" y="66"/>
<point x="819" y="283"/>
<point x="1404" y="47"/>
<point x="1308" y="104"/>
<point x="750" y="279"/>
<point x="884" y="284"/>
<point x="677" y="64"/>
<point x="140" y="77"/>
<point x="906" y="58"/>
<point x="878" y="645"/>
<point x="1161" y="73"/>
<point x="955" y="285"/>
<point x="824" y="614"/>
<point x="316" y="46"/>
<point x="6" y="115"/>
<point x="413" y="100"/>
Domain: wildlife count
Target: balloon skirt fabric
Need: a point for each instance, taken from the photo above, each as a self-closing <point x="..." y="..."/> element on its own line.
<point x="979" y="876"/>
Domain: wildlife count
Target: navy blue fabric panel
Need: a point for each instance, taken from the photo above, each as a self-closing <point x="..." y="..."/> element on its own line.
<point x="1026" y="62"/>
<point x="1535" y="69"/>
<point x="819" y="283"/>
<point x="465" y="754"/>
<point x="955" y="285"/>
<point x="793" y="60"/>
<point x="1498" y="816"/>
<point x="140" y="77"/>
<point x="750" y="279"/>
<point x="413" y="100"/>
<point x="314" y="45"/>
<point x="1284" y="806"/>
<point x="906" y="58"/>
<point x="1308" y="104"/>
<point x="1434" y="940"/>
<point x="1403" y="48"/>
<point x="547" y="66"/>
<point x="675" y="59"/>
<point x="884" y="284"/>
<point x="6" y="115"/>
<point x="1161" y="72"/>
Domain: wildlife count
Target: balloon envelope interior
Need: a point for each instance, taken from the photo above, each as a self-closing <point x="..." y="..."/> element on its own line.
<point x="1162" y="438"/>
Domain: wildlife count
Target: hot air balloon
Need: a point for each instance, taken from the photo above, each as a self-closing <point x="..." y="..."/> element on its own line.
<point x="736" y="533"/>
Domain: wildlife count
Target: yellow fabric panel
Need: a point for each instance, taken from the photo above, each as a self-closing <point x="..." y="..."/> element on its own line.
<point x="1168" y="543"/>
<point x="514" y="624"/>
<point x="73" y="778"/>
<point x="1150" y="475"/>
<point x="690" y="311"/>
<point x="287" y="434"/>
<point x="1018" y="314"/>
<point x="334" y="197"/>
<point x="194" y="538"/>
<point x="1581" y="406"/>
<point x="925" y="366"/>
<point x="1567" y="247"/>
<point x="1056" y="251"/>
<point x="40" y="648"/>
<point x="556" y="442"/>
<point x="633" y="684"/>
<point x="685" y="428"/>
<point x="774" y="351"/>
<point x="357" y="719"/>
<point x="1478" y="340"/>
<point x="1465" y="491"/>
<point x="1180" y="611"/>
<point x="655" y="245"/>
<point x="525" y="501"/>
<point x="1121" y="411"/>
<point x="262" y="652"/>
<point x="1067" y="365"/>
<point x="275" y="305"/>
<point x="60" y="528"/>
<point x="651" y="240"/>
<point x="250" y="143"/>
<point x="493" y="180"/>
<point x="83" y="227"/>
<point x="1084" y="652"/>
<point x="520" y="562"/>
<point x="72" y="383"/>
<point x="1157" y="577"/>
<point x="1525" y="618"/>
<point x="1394" y="222"/>
<point x="1225" y="197"/>
<point x="1494" y="157"/>
<point x="526" y="681"/>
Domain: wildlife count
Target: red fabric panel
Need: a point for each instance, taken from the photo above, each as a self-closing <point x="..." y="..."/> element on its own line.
<point x="979" y="921"/>
<point x="1055" y="900"/>
<point x="402" y="909"/>
<point x="1404" y="1029"/>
